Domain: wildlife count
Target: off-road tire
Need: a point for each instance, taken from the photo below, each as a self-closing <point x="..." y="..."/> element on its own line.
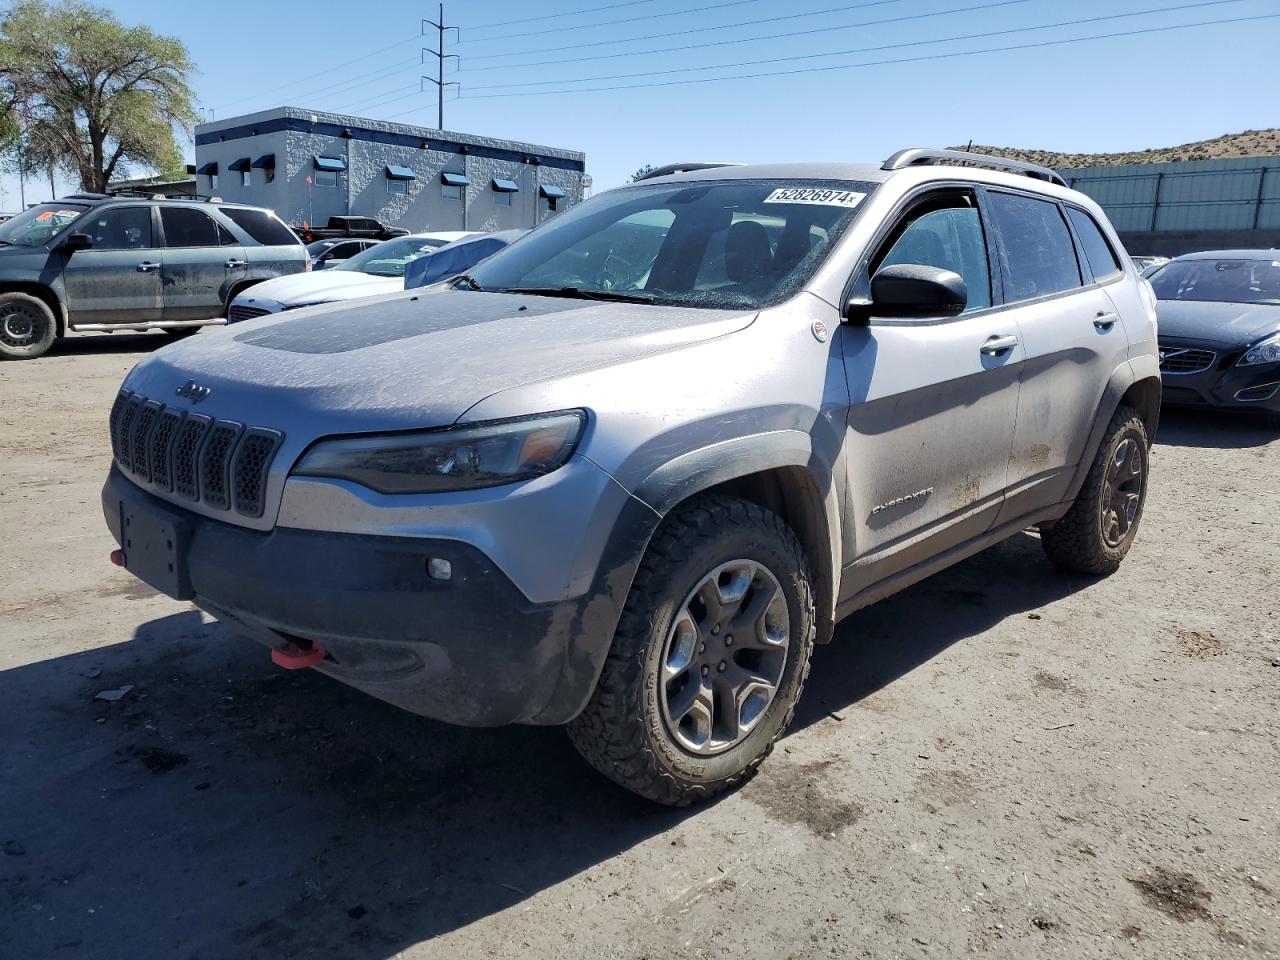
<point x="1076" y="542"/>
<point x="31" y="310"/>
<point x="621" y="731"/>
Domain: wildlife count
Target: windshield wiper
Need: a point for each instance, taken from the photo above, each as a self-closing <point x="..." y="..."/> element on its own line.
<point x="579" y="294"/>
<point x="465" y="278"/>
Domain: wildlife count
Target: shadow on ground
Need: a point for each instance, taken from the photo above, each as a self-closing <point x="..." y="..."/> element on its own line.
<point x="1220" y="429"/>
<point x="227" y="808"/>
<point x="83" y="344"/>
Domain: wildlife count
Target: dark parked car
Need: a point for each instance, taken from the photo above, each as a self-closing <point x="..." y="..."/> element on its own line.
<point x="457" y="257"/>
<point x="93" y="262"/>
<point x="345" y="226"/>
<point x="329" y="253"/>
<point x="1219" y="334"/>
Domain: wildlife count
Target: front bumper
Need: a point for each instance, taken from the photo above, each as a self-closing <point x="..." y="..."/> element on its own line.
<point x="471" y="650"/>
<point x="1223" y="384"/>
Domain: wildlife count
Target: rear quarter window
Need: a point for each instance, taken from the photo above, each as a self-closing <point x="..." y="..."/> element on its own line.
<point x="263" y="226"/>
<point x="1040" y="257"/>
<point x="1102" y="260"/>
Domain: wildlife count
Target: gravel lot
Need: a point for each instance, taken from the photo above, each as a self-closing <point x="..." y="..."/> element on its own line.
<point x="1000" y="761"/>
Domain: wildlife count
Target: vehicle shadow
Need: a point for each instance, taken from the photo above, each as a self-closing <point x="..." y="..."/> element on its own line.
<point x="84" y="344"/>
<point x="1219" y="429"/>
<point x="224" y="808"/>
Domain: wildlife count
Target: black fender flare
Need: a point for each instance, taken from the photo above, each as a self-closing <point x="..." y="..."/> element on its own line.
<point x="1137" y="372"/>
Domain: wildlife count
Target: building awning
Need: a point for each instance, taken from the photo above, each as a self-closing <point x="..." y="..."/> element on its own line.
<point x="547" y="190"/>
<point x="239" y="166"/>
<point x="266" y="162"/>
<point x="505" y="186"/>
<point x="396" y="172"/>
<point x="455" y="179"/>
<point x="208" y="170"/>
<point x="333" y="164"/>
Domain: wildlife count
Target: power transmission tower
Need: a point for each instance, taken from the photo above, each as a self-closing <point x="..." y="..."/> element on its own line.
<point x="441" y="57"/>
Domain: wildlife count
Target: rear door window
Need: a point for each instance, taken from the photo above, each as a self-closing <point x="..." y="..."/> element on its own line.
<point x="262" y="225"/>
<point x="1040" y="259"/>
<point x="187" y="227"/>
<point x="1102" y="260"/>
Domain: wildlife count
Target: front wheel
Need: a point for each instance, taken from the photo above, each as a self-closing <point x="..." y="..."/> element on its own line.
<point x="1096" y="533"/>
<point x="27" y="326"/>
<point x="709" y="658"/>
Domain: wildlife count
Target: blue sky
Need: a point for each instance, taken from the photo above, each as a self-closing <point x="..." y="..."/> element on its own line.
<point x="1119" y="93"/>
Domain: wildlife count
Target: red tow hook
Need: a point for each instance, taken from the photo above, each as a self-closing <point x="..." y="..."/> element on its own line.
<point x="293" y="657"/>
<point x="117" y="557"/>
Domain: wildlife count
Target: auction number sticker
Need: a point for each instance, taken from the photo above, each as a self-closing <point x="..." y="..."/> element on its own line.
<point x="830" y="198"/>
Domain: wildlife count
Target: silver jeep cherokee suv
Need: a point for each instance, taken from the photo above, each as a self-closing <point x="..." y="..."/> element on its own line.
<point x="628" y="471"/>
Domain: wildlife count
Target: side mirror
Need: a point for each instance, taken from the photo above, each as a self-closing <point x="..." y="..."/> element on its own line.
<point x="77" y="241"/>
<point x="910" y="290"/>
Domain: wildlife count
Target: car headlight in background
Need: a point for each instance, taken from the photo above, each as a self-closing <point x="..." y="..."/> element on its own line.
<point x="459" y="458"/>
<point x="1264" y="351"/>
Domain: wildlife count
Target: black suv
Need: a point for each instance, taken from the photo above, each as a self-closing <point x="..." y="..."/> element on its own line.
<point x="94" y="262"/>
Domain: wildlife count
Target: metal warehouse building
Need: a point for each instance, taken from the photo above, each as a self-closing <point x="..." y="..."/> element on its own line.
<point x="309" y="166"/>
<point x="1172" y="208"/>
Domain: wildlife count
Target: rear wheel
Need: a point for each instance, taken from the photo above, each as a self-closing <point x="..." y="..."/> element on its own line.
<point x="1096" y="533"/>
<point x="27" y="326"/>
<point x="710" y="655"/>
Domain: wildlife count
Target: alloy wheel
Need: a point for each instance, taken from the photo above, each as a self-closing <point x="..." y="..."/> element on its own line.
<point x="1122" y="491"/>
<point x="724" y="657"/>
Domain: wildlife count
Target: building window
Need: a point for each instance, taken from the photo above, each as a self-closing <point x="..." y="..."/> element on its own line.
<point x="269" y="174"/>
<point x="549" y="203"/>
<point x="246" y="178"/>
<point x="502" y="198"/>
<point x="451" y="191"/>
<point x="213" y="181"/>
<point x="326" y="178"/>
<point x="397" y="186"/>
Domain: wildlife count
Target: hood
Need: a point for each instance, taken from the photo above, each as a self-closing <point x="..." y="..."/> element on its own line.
<point x="1234" y="323"/>
<point x="412" y="360"/>
<point x="320" y="286"/>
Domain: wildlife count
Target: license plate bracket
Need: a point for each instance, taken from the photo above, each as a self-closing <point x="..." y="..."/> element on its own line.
<point x="155" y="550"/>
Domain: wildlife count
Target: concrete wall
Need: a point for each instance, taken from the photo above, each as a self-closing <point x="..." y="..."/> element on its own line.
<point x="296" y="137"/>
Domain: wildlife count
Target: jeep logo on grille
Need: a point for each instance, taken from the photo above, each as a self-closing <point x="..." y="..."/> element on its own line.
<point x="193" y="391"/>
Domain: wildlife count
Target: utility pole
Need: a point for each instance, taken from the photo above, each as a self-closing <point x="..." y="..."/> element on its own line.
<point x="441" y="57"/>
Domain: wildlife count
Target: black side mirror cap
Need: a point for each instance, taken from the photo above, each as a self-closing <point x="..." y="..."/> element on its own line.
<point x="77" y="241"/>
<point x="910" y="291"/>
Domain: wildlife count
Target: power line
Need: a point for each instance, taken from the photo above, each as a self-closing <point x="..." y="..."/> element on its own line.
<point x="609" y="23"/>
<point x="555" y="16"/>
<point x="689" y="30"/>
<point x="768" y="36"/>
<point x="849" y="51"/>
<point x="880" y="63"/>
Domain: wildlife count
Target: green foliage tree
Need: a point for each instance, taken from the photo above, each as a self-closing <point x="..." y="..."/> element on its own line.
<point x="89" y="95"/>
<point x="647" y="168"/>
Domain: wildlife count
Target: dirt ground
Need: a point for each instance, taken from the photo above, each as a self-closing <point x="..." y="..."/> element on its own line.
<point x="1000" y="761"/>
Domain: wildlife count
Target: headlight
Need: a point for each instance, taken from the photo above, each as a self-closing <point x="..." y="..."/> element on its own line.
<point x="460" y="458"/>
<point x="1265" y="351"/>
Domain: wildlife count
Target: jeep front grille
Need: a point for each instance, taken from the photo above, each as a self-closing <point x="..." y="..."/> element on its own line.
<point x="218" y="463"/>
<point x="1185" y="359"/>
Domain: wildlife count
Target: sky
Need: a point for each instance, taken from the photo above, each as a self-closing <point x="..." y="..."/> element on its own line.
<point x="845" y="80"/>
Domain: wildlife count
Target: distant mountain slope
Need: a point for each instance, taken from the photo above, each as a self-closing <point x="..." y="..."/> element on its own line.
<point x="1250" y="143"/>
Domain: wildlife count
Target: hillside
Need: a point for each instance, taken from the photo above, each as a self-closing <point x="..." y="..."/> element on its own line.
<point x="1250" y="143"/>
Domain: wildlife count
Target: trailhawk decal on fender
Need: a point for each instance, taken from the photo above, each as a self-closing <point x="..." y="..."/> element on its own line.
<point x="830" y="198"/>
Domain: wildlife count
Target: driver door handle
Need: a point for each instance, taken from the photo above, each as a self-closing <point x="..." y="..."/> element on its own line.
<point x="147" y="265"/>
<point x="232" y="264"/>
<point x="1105" y="321"/>
<point x="998" y="345"/>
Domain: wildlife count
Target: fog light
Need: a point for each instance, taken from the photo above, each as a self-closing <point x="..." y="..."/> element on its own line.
<point x="438" y="569"/>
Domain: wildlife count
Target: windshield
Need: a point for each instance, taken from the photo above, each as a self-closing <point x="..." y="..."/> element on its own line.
<point x="1231" y="281"/>
<point x="389" y="258"/>
<point x="40" y="224"/>
<point x="728" y="244"/>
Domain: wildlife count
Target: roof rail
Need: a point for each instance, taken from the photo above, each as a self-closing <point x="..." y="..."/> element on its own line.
<point x="918" y="156"/>
<point x="671" y="168"/>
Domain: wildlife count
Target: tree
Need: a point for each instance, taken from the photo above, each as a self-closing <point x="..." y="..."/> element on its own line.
<point x="647" y="168"/>
<point x="90" y="95"/>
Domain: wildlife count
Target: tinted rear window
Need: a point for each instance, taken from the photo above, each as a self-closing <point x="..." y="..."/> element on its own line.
<point x="262" y="225"/>
<point x="1040" y="255"/>
<point x="1097" y="252"/>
